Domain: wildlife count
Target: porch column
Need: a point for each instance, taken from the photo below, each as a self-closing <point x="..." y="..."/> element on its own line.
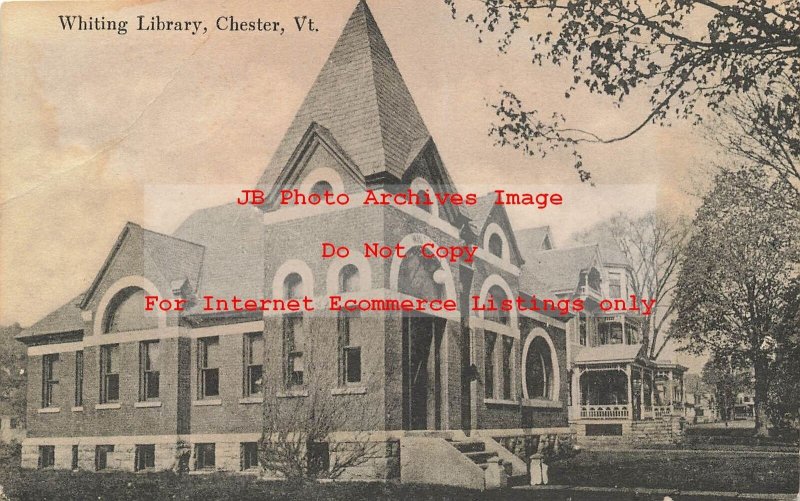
<point x="630" y="391"/>
<point x="577" y="394"/>
<point x="641" y="393"/>
<point x="671" y="387"/>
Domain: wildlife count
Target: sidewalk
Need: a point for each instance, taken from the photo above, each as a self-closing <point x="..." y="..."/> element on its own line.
<point x="638" y="492"/>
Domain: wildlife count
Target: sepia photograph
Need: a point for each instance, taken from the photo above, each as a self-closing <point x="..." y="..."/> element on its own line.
<point x="400" y="249"/>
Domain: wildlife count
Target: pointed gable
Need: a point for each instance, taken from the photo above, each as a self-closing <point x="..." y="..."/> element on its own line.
<point x="360" y="97"/>
<point x="160" y="258"/>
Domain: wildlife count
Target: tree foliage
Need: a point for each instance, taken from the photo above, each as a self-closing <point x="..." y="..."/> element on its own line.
<point x="734" y="287"/>
<point x="13" y="361"/>
<point x="727" y="380"/>
<point x="686" y="55"/>
<point x="653" y="245"/>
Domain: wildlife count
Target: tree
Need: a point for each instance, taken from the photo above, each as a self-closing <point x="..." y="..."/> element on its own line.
<point x="727" y="381"/>
<point x="784" y="391"/>
<point x="763" y="127"/>
<point x="298" y="439"/>
<point x="13" y="376"/>
<point x="653" y="245"/>
<point x="736" y="275"/>
<point x="689" y="55"/>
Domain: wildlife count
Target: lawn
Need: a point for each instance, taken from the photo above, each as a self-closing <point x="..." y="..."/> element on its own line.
<point x="671" y="470"/>
<point x="681" y="470"/>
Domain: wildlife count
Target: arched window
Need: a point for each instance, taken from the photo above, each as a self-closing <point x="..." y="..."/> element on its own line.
<point x="321" y="187"/>
<point x="349" y="278"/>
<point x="349" y="328"/>
<point x="496" y="245"/>
<point x="416" y="277"/>
<point x="539" y="369"/>
<point x="498" y="296"/>
<point x="293" y="333"/>
<point x="126" y="312"/>
<point x="423" y="197"/>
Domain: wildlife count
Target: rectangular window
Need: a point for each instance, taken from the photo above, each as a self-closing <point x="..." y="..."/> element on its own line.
<point x="253" y="364"/>
<point x="47" y="456"/>
<point x="101" y="456"/>
<point x="583" y="338"/>
<point x="49" y="379"/>
<point x="148" y="370"/>
<point x="204" y="456"/>
<point x="74" y="463"/>
<point x="614" y="286"/>
<point x="208" y="359"/>
<point x="488" y="364"/>
<point x="109" y="373"/>
<point x="145" y="457"/>
<point x="349" y="349"/>
<point x="249" y="453"/>
<point x="78" y="378"/>
<point x="508" y="353"/>
<point x="294" y="343"/>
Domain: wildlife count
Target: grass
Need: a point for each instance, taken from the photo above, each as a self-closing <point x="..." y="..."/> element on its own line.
<point x="680" y="470"/>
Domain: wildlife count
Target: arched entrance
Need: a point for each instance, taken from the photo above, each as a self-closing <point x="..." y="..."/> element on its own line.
<point x="422" y="340"/>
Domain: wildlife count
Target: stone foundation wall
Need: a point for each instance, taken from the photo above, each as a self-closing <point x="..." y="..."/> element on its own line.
<point x="523" y="446"/>
<point x="634" y="433"/>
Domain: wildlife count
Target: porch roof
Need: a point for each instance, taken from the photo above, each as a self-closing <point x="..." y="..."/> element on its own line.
<point x="609" y="353"/>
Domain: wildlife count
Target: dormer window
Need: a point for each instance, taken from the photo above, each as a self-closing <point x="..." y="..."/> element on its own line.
<point x="496" y="245"/>
<point x="321" y="187"/>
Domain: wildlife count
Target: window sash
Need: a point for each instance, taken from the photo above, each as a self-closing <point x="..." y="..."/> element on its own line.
<point x="145" y="457"/>
<point x="490" y="339"/>
<point x="209" y="383"/>
<point x="352" y="364"/>
<point x="249" y="455"/>
<point x="109" y="375"/>
<point x="49" y="379"/>
<point x="78" y="378"/>
<point x="205" y="456"/>
<point x="508" y="353"/>
<point x="149" y="384"/>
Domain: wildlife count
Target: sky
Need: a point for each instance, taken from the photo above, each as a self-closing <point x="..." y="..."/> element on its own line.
<point x="97" y="129"/>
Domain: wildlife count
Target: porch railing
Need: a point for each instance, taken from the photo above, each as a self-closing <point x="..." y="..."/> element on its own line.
<point x="662" y="410"/>
<point x="605" y="411"/>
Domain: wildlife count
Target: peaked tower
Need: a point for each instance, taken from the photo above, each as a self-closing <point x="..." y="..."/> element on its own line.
<point x="360" y="97"/>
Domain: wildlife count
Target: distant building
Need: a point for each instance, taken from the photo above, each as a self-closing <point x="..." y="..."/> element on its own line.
<point x="12" y="428"/>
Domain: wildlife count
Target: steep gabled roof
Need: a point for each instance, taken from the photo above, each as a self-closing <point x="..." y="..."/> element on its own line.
<point x="233" y="238"/>
<point x="168" y="257"/>
<point x="67" y="318"/>
<point x="534" y="239"/>
<point x="557" y="269"/>
<point x="361" y="98"/>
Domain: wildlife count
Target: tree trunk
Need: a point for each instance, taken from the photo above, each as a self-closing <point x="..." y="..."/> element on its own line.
<point x="761" y="387"/>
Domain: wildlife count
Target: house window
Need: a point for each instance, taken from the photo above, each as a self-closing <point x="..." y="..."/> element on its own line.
<point x="14" y="423"/>
<point x="47" y="456"/>
<point x="148" y="370"/>
<point x="582" y="335"/>
<point x="208" y="366"/>
<point x="348" y="328"/>
<point x="249" y="455"/>
<point x="254" y="363"/>
<point x="497" y="296"/>
<point x="49" y="379"/>
<point x="293" y="334"/>
<point x="539" y="369"/>
<point x="101" y="454"/>
<point x="109" y="373"/>
<point x="145" y="457"/>
<point x="205" y="456"/>
<point x="614" y="285"/>
<point x="610" y="333"/>
<point x="321" y="187"/>
<point x="422" y="197"/>
<point x="508" y="353"/>
<point x="74" y="462"/>
<point x="78" y="378"/>
<point x="496" y="245"/>
<point x="490" y="339"/>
